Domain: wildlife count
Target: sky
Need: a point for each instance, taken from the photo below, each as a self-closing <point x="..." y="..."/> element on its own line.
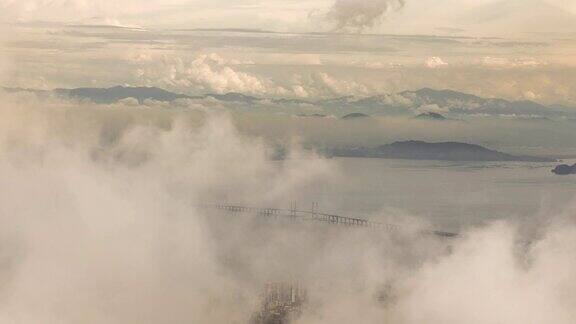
<point x="513" y="49"/>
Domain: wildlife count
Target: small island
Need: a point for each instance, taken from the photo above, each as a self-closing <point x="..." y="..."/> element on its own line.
<point x="564" y="169"/>
<point x="430" y="116"/>
<point x="355" y="116"/>
<point x="443" y="151"/>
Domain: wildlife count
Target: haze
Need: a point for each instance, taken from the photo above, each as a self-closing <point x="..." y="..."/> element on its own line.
<point x="173" y="161"/>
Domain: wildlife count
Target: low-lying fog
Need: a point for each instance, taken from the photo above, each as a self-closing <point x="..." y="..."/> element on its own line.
<point x="100" y="224"/>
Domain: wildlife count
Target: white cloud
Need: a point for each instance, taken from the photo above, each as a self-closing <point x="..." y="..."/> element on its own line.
<point x="339" y="86"/>
<point x="213" y="73"/>
<point x="502" y="62"/>
<point x="432" y="108"/>
<point x="203" y="73"/>
<point x="322" y="84"/>
<point x="370" y="64"/>
<point x="435" y="62"/>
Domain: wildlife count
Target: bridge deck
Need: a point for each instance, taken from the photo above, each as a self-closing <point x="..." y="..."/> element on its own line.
<point x="302" y="215"/>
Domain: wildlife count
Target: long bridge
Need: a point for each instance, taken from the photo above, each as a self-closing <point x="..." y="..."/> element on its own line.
<point x="282" y="302"/>
<point x="293" y="214"/>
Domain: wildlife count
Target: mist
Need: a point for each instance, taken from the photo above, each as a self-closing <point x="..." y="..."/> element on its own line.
<point x="101" y="224"/>
<point x="278" y="126"/>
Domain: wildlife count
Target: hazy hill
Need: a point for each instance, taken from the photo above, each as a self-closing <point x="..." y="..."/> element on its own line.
<point x="564" y="169"/>
<point x="431" y="116"/>
<point x="446" y="151"/>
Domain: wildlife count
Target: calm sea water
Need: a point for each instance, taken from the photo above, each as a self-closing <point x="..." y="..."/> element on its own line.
<point x="450" y="195"/>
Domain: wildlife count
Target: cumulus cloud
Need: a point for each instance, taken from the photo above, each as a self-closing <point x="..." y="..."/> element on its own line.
<point x="203" y="73"/>
<point x="435" y="62"/>
<point x="212" y="73"/>
<point x="322" y="84"/>
<point x="358" y="15"/>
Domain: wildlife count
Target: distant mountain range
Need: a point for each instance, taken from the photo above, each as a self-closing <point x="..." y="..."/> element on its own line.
<point x="424" y="102"/>
<point x="458" y="102"/>
<point x="115" y="94"/>
<point x="444" y="151"/>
